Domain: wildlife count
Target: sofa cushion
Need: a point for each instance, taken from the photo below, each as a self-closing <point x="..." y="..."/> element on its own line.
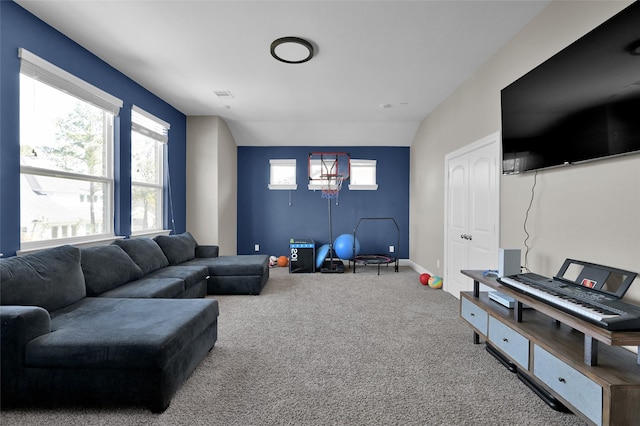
<point x="120" y="333"/>
<point x="107" y="267"/>
<point x="191" y="275"/>
<point x="250" y="264"/>
<point x="145" y="253"/>
<point x="207" y="251"/>
<point x="177" y="248"/>
<point x="149" y="287"/>
<point x="51" y="279"/>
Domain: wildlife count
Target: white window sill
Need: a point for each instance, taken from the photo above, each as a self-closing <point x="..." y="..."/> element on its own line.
<point x="150" y="233"/>
<point x="283" y="187"/>
<point x="76" y="242"/>
<point x="363" y="187"/>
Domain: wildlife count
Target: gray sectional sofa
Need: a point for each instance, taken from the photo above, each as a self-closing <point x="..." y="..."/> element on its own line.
<point x="112" y="325"/>
<point x="244" y="274"/>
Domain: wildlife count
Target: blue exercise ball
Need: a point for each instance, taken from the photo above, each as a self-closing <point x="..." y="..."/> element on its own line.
<point x="343" y="246"/>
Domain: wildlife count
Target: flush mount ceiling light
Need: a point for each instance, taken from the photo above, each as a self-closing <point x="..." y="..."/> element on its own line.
<point x="291" y="50"/>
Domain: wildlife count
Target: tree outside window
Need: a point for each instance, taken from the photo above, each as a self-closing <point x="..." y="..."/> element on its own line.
<point x="65" y="156"/>
<point x="148" y="144"/>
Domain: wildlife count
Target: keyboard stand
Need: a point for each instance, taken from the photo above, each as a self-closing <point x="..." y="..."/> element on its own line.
<point x="590" y="350"/>
<point x="590" y="344"/>
<point x="593" y="334"/>
<point x="518" y="311"/>
<point x="547" y="346"/>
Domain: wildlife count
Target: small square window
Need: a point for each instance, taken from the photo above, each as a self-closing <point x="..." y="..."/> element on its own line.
<point x="282" y="174"/>
<point x="316" y="170"/>
<point x="363" y="175"/>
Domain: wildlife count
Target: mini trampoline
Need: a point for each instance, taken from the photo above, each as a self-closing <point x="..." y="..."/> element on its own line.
<point x="375" y="259"/>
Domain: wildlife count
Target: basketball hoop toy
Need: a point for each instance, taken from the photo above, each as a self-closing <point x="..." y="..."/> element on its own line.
<point x="332" y="187"/>
<point x="329" y="170"/>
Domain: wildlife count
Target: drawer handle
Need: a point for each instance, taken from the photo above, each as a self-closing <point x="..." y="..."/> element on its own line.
<point x="504" y="339"/>
<point x="472" y="314"/>
<point x="562" y="380"/>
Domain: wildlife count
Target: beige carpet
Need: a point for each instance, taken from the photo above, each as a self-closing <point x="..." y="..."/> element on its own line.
<point x="337" y="349"/>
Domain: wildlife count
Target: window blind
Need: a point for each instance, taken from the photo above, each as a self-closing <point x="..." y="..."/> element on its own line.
<point x="149" y="125"/>
<point x="47" y="73"/>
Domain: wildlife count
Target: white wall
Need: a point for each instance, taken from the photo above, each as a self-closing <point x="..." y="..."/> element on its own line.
<point x="589" y="212"/>
<point x="212" y="183"/>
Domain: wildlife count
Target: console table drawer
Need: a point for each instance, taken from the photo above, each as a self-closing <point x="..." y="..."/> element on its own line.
<point x="474" y="315"/>
<point x="510" y="342"/>
<point x="575" y="387"/>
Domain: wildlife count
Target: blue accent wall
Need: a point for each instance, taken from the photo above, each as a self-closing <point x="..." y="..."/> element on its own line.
<point x="271" y="217"/>
<point x="19" y="29"/>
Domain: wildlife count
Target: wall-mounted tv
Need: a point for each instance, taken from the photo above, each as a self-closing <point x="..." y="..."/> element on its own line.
<point x="582" y="104"/>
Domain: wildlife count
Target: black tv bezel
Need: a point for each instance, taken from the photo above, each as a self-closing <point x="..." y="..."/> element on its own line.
<point x="582" y="86"/>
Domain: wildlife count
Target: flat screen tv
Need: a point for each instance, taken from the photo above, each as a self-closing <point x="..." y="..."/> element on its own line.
<point x="582" y="104"/>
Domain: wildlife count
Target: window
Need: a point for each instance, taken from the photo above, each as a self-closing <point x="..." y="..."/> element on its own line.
<point x="317" y="168"/>
<point x="149" y="136"/>
<point x="66" y="156"/>
<point x="363" y="175"/>
<point x="282" y="174"/>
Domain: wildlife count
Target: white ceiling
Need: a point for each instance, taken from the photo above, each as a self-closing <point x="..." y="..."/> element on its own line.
<point x="408" y="54"/>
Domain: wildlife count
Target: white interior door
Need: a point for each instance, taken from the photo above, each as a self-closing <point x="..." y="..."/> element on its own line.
<point x="473" y="196"/>
<point x="458" y="223"/>
<point x="483" y="209"/>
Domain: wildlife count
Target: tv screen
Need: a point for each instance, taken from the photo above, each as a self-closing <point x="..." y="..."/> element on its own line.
<point x="582" y="104"/>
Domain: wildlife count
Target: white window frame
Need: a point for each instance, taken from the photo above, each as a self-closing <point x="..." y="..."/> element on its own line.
<point x="153" y="127"/>
<point x="316" y="169"/>
<point x="363" y="175"/>
<point x="41" y="70"/>
<point x="276" y="166"/>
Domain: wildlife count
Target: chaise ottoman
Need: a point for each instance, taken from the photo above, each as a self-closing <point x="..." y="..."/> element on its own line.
<point x="242" y="274"/>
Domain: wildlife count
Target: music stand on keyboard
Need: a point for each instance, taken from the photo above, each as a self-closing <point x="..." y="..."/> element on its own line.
<point x="612" y="281"/>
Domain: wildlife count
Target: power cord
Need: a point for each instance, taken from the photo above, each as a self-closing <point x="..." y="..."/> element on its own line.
<point x="526" y="218"/>
<point x="173" y="222"/>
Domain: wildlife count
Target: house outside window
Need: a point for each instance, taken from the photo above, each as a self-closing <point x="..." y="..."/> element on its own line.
<point x="149" y="137"/>
<point x="282" y="174"/>
<point x="66" y="156"/>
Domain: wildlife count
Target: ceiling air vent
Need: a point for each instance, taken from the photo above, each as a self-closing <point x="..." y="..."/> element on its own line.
<point x="223" y="94"/>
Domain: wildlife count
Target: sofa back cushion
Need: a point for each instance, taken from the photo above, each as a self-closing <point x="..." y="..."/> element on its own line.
<point x="145" y="253"/>
<point x="107" y="267"/>
<point x="177" y="248"/>
<point x="51" y="279"/>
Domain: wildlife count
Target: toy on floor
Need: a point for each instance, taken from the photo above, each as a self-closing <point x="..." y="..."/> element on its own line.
<point x="321" y="255"/>
<point x="283" y="261"/>
<point x="343" y="246"/>
<point x="424" y="279"/>
<point x="273" y="261"/>
<point x="435" y="282"/>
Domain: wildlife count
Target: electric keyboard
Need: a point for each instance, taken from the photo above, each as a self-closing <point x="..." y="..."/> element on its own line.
<point x="604" y="310"/>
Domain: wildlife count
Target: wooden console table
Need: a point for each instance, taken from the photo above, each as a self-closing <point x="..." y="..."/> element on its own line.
<point x="559" y="352"/>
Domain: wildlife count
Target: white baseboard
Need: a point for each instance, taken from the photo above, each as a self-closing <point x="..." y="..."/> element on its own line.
<point x="419" y="269"/>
